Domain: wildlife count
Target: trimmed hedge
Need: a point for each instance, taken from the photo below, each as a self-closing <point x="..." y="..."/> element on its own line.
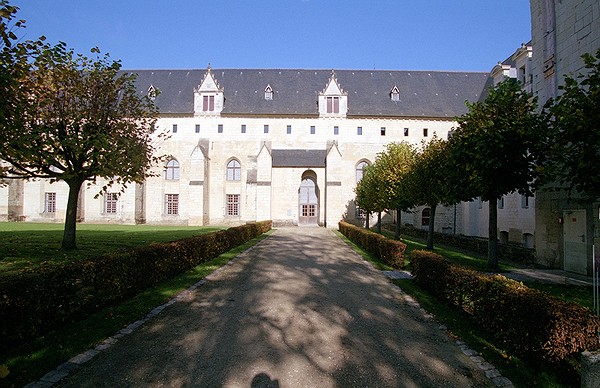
<point x="36" y="301"/>
<point x="532" y="324"/>
<point x="391" y="252"/>
<point x="506" y="251"/>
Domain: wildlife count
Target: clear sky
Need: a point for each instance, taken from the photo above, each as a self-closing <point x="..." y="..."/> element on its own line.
<point x="470" y="35"/>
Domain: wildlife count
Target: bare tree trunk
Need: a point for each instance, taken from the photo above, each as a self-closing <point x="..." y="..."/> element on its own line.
<point x="493" y="235"/>
<point x="367" y="219"/>
<point x="398" y="224"/>
<point x="69" y="235"/>
<point x="379" y="222"/>
<point x="431" y="226"/>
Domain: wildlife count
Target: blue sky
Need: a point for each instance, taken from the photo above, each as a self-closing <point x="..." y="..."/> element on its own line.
<point x="470" y="35"/>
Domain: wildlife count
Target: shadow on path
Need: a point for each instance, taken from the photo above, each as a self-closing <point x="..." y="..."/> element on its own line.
<point x="300" y="309"/>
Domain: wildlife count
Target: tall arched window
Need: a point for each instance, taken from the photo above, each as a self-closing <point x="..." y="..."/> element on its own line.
<point x="172" y="170"/>
<point x="360" y="169"/>
<point x="234" y="170"/>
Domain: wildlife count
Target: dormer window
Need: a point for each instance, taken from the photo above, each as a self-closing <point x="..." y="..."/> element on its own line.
<point x="152" y="93"/>
<point x="333" y="101"/>
<point x="268" y="93"/>
<point x="208" y="103"/>
<point x="395" y="94"/>
<point x="333" y="105"/>
<point x="208" y="96"/>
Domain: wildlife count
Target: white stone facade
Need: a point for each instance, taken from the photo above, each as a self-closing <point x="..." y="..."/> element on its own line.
<point x="561" y="32"/>
<point x="249" y="145"/>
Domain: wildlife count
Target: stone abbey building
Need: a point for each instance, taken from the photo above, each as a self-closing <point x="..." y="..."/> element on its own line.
<point x="286" y="145"/>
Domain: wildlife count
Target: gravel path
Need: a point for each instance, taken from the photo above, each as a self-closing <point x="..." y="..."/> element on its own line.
<point x="301" y="309"/>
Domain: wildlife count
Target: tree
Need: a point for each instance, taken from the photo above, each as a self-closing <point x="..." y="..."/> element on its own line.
<point x="368" y="193"/>
<point x="393" y="167"/>
<point x="7" y="33"/>
<point x="76" y="119"/>
<point x="496" y="147"/>
<point x="574" y="149"/>
<point x="431" y="181"/>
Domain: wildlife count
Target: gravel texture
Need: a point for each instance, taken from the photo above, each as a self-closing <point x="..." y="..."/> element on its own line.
<point x="300" y="309"/>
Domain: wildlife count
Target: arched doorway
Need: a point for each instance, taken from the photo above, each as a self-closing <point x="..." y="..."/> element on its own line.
<point x="308" y="200"/>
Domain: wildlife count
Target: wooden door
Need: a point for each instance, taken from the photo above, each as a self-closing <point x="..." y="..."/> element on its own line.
<point x="308" y="203"/>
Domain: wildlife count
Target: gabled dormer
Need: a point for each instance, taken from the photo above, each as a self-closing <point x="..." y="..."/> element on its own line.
<point x="333" y="101"/>
<point x="208" y="96"/>
<point x="268" y="93"/>
<point x="395" y="94"/>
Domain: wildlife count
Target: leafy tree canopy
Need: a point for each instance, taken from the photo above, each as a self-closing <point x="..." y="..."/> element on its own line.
<point x="74" y="119"/>
<point x="574" y="147"/>
<point x="497" y="144"/>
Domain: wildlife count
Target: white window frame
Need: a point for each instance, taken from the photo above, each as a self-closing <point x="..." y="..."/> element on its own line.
<point x="232" y="206"/>
<point x="50" y="202"/>
<point x="172" y="204"/>
<point x="234" y="170"/>
<point x="172" y="170"/>
<point x="111" y="201"/>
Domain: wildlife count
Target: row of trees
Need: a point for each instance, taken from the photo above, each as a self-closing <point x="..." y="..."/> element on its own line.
<point x="504" y="144"/>
<point x="67" y="117"/>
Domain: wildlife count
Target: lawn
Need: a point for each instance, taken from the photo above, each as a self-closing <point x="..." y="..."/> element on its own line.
<point x="27" y="245"/>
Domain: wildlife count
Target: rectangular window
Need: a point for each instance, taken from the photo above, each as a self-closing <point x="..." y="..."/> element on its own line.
<point x="309" y="210"/>
<point x="110" y="202"/>
<point x="220" y="128"/>
<point x="405" y="131"/>
<point x="333" y="105"/>
<point x="266" y="128"/>
<point x="524" y="201"/>
<point x="50" y="203"/>
<point x="243" y="128"/>
<point x="501" y="203"/>
<point x="233" y="204"/>
<point x="208" y="103"/>
<point x="382" y="131"/>
<point x="312" y="130"/>
<point x="359" y="213"/>
<point x="172" y="204"/>
<point x="359" y="131"/>
<point x="174" y="128"/>
<point x="289" y="129"/>
<point x="197" y="128"/>
<point x="336" y="130"/>
<point x="425" y="132"/>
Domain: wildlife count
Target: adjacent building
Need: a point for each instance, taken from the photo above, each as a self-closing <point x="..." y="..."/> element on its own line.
<point x="566" y="227"/>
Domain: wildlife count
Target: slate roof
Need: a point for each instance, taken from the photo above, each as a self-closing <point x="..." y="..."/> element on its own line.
<point x="299" y="158"/>
<point x="295" y="92"/>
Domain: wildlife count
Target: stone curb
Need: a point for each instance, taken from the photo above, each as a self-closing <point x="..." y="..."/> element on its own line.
<point x="63" y="370"/>
<point x="490" y="371"/>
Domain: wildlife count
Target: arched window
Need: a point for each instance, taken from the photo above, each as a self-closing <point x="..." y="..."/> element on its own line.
<point x="172" y="170"/>
<point x="360" y="169"/>
<point x="425" y="216"/>
<point x="234" y="170"/>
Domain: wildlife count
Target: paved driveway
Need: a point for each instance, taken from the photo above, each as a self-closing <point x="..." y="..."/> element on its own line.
<point x="301" y="309"/>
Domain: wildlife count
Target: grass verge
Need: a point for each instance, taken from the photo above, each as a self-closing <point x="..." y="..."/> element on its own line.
<point x="31" y="361"/>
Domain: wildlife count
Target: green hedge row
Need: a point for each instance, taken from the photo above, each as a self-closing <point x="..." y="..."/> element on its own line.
<point x="530" y="323"/>
<point x="389" y="251"/>
<point x="506" y="251"/>
<point x="36" y="301"/>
